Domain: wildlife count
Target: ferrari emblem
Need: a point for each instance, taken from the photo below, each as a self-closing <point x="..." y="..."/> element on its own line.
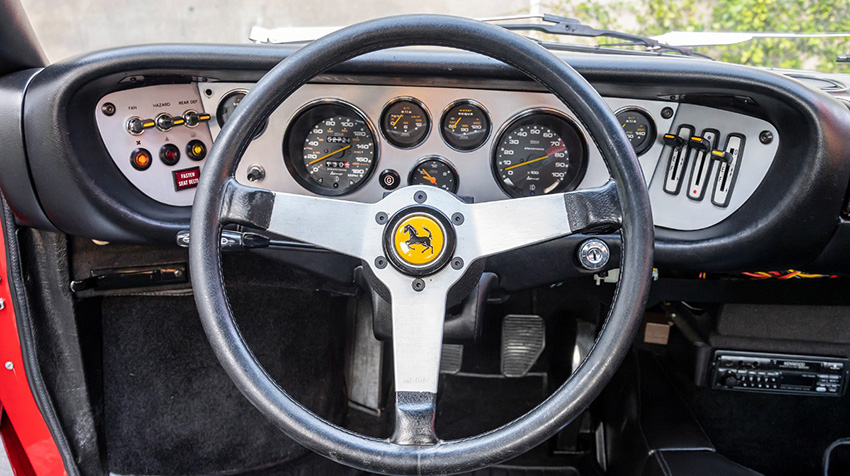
<point x="418" y="239"/>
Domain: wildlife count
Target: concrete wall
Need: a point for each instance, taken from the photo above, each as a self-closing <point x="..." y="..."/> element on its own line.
<point x="69" y="27"/>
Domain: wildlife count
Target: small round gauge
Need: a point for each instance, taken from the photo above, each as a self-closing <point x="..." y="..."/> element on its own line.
<point x="330" y="148"/>
<point x="639" y="127"/>
<point x="227" y="106"/>
<point x="539" y="152"/>
<point x="465" y="125"/>
<point x="434" y="171"/>
<point x="405" y="123"/>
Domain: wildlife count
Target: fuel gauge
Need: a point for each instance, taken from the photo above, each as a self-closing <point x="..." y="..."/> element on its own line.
<point x="434" y="171"/>
<point x="405" y="123"/>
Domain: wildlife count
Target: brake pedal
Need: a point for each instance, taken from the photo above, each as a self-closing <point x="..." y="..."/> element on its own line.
<point x="523" y="340"/>
<point x="451" y="358"/>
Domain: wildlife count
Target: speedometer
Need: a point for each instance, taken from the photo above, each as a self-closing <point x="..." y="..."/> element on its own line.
<point x="330" y="148"/>
<point x="539" y="152"/>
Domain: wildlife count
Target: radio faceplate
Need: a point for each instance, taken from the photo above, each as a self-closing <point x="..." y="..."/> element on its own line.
<point x="779" y="373"/>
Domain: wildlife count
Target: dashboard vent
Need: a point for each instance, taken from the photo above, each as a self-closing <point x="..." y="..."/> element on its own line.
<point x="824" y="84"/>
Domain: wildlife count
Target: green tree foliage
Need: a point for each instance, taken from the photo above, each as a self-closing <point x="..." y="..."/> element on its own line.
<point x="653" y="17"/>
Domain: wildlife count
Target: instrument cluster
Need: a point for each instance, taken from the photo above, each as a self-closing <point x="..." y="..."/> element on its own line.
<point x="332" y="147"/>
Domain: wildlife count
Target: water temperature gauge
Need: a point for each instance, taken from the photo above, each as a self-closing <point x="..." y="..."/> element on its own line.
<point x="434" y="171"/>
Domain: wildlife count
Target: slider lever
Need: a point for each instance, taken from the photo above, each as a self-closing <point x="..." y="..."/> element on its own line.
<point x="721" y="156"/>
<point x="699" y="143"/>
<point x="673" y="140"/>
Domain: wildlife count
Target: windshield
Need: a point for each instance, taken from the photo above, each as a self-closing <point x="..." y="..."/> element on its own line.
<point x="70" y="28"/>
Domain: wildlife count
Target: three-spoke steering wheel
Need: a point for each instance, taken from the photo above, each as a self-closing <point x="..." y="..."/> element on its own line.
<point x="459" y="235"/>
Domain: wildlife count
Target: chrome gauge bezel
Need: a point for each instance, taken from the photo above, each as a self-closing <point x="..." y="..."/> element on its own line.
<point x="438" y="158"/>
<point x="260" y="130"/>
<point x="653" y="133"/>
<point x="509" y="124"/>
<point x="300" y="175"/>
<point x="394" y="101"/>
<point x="471" y="102"/>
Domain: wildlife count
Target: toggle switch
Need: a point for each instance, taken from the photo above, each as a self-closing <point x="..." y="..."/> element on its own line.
<point x="137" y="125"/>
<point x="193" y="118"/>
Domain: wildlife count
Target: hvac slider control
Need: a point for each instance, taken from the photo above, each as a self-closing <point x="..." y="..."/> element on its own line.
<point x="701" y="171"/>
<point x="678" y="161"/>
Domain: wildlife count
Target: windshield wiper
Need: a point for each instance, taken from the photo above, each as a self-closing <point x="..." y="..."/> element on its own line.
<point x="558" y="25"/>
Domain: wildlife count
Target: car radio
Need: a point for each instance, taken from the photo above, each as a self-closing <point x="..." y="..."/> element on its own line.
<point x="778" y="373"/>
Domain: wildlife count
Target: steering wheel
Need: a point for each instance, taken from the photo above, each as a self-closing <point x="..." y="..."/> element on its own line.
<point x="461" y="235"/>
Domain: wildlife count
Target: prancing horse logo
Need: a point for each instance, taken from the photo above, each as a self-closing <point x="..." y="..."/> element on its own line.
<point x="415" y="239"/>
<point x="418" y="239"/>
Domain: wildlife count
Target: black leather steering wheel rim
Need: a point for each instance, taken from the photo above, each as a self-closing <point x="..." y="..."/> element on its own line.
<point x="505" y="442"/>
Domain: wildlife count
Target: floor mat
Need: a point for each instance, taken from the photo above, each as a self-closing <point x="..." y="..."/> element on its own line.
<point x="169" y="407"/>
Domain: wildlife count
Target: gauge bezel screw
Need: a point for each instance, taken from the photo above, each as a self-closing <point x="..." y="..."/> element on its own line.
<point x="667" y="112"/>
<point x="765" y="137"/>
<point x="382" y="218"/>
<point x="108" y="109"/>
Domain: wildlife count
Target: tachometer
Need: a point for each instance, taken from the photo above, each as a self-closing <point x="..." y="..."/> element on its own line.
<point x="539" y="152"/>
<point x="330" y="148"/>
<point x="639" y="128"/>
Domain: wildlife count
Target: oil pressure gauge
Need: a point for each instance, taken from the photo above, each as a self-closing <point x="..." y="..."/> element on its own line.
<point x="436" y="172"/>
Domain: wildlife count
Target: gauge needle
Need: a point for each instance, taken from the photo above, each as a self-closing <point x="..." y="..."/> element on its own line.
<point x="428" y="176"/>
<point x="396" y="120"/>
<point x="528" y="162"/>
<point x="551" y="151"/>
<point x="455" y="124"/>
<point x="328" y="155"/>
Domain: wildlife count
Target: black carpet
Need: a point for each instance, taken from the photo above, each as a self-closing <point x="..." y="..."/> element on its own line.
<point x="169" y="407"/>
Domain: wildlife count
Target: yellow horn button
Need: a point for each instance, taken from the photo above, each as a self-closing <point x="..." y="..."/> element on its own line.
<point x="419" y="240"/>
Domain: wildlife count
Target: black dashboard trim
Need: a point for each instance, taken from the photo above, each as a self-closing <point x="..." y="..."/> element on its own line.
<point x="787" y="221"/>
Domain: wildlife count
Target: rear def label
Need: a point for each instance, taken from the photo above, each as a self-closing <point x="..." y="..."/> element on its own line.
<point x="186" y="178"/>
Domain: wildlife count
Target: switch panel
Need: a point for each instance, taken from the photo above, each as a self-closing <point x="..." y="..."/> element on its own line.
<point x="701" y="170"/>
<point x="727" y="172"/>
<point x="678" y="158"/>
<point x="158" y="137"/>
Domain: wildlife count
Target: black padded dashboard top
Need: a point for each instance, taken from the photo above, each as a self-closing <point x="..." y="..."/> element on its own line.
<point x="787" y="221"/>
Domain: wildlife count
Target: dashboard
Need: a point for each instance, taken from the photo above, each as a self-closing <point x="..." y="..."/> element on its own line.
<point x="746" y="168"/>
<point x="359" y="142"/>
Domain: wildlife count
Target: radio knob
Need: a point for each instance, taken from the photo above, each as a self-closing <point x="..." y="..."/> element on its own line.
<point x="730" y="380"/>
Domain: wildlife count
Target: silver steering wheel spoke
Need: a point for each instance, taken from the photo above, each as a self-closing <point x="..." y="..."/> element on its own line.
<point x="337" y="225"/>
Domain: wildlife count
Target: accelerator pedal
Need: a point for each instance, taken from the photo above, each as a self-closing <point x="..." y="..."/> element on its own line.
<point x="523" y="340"/>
